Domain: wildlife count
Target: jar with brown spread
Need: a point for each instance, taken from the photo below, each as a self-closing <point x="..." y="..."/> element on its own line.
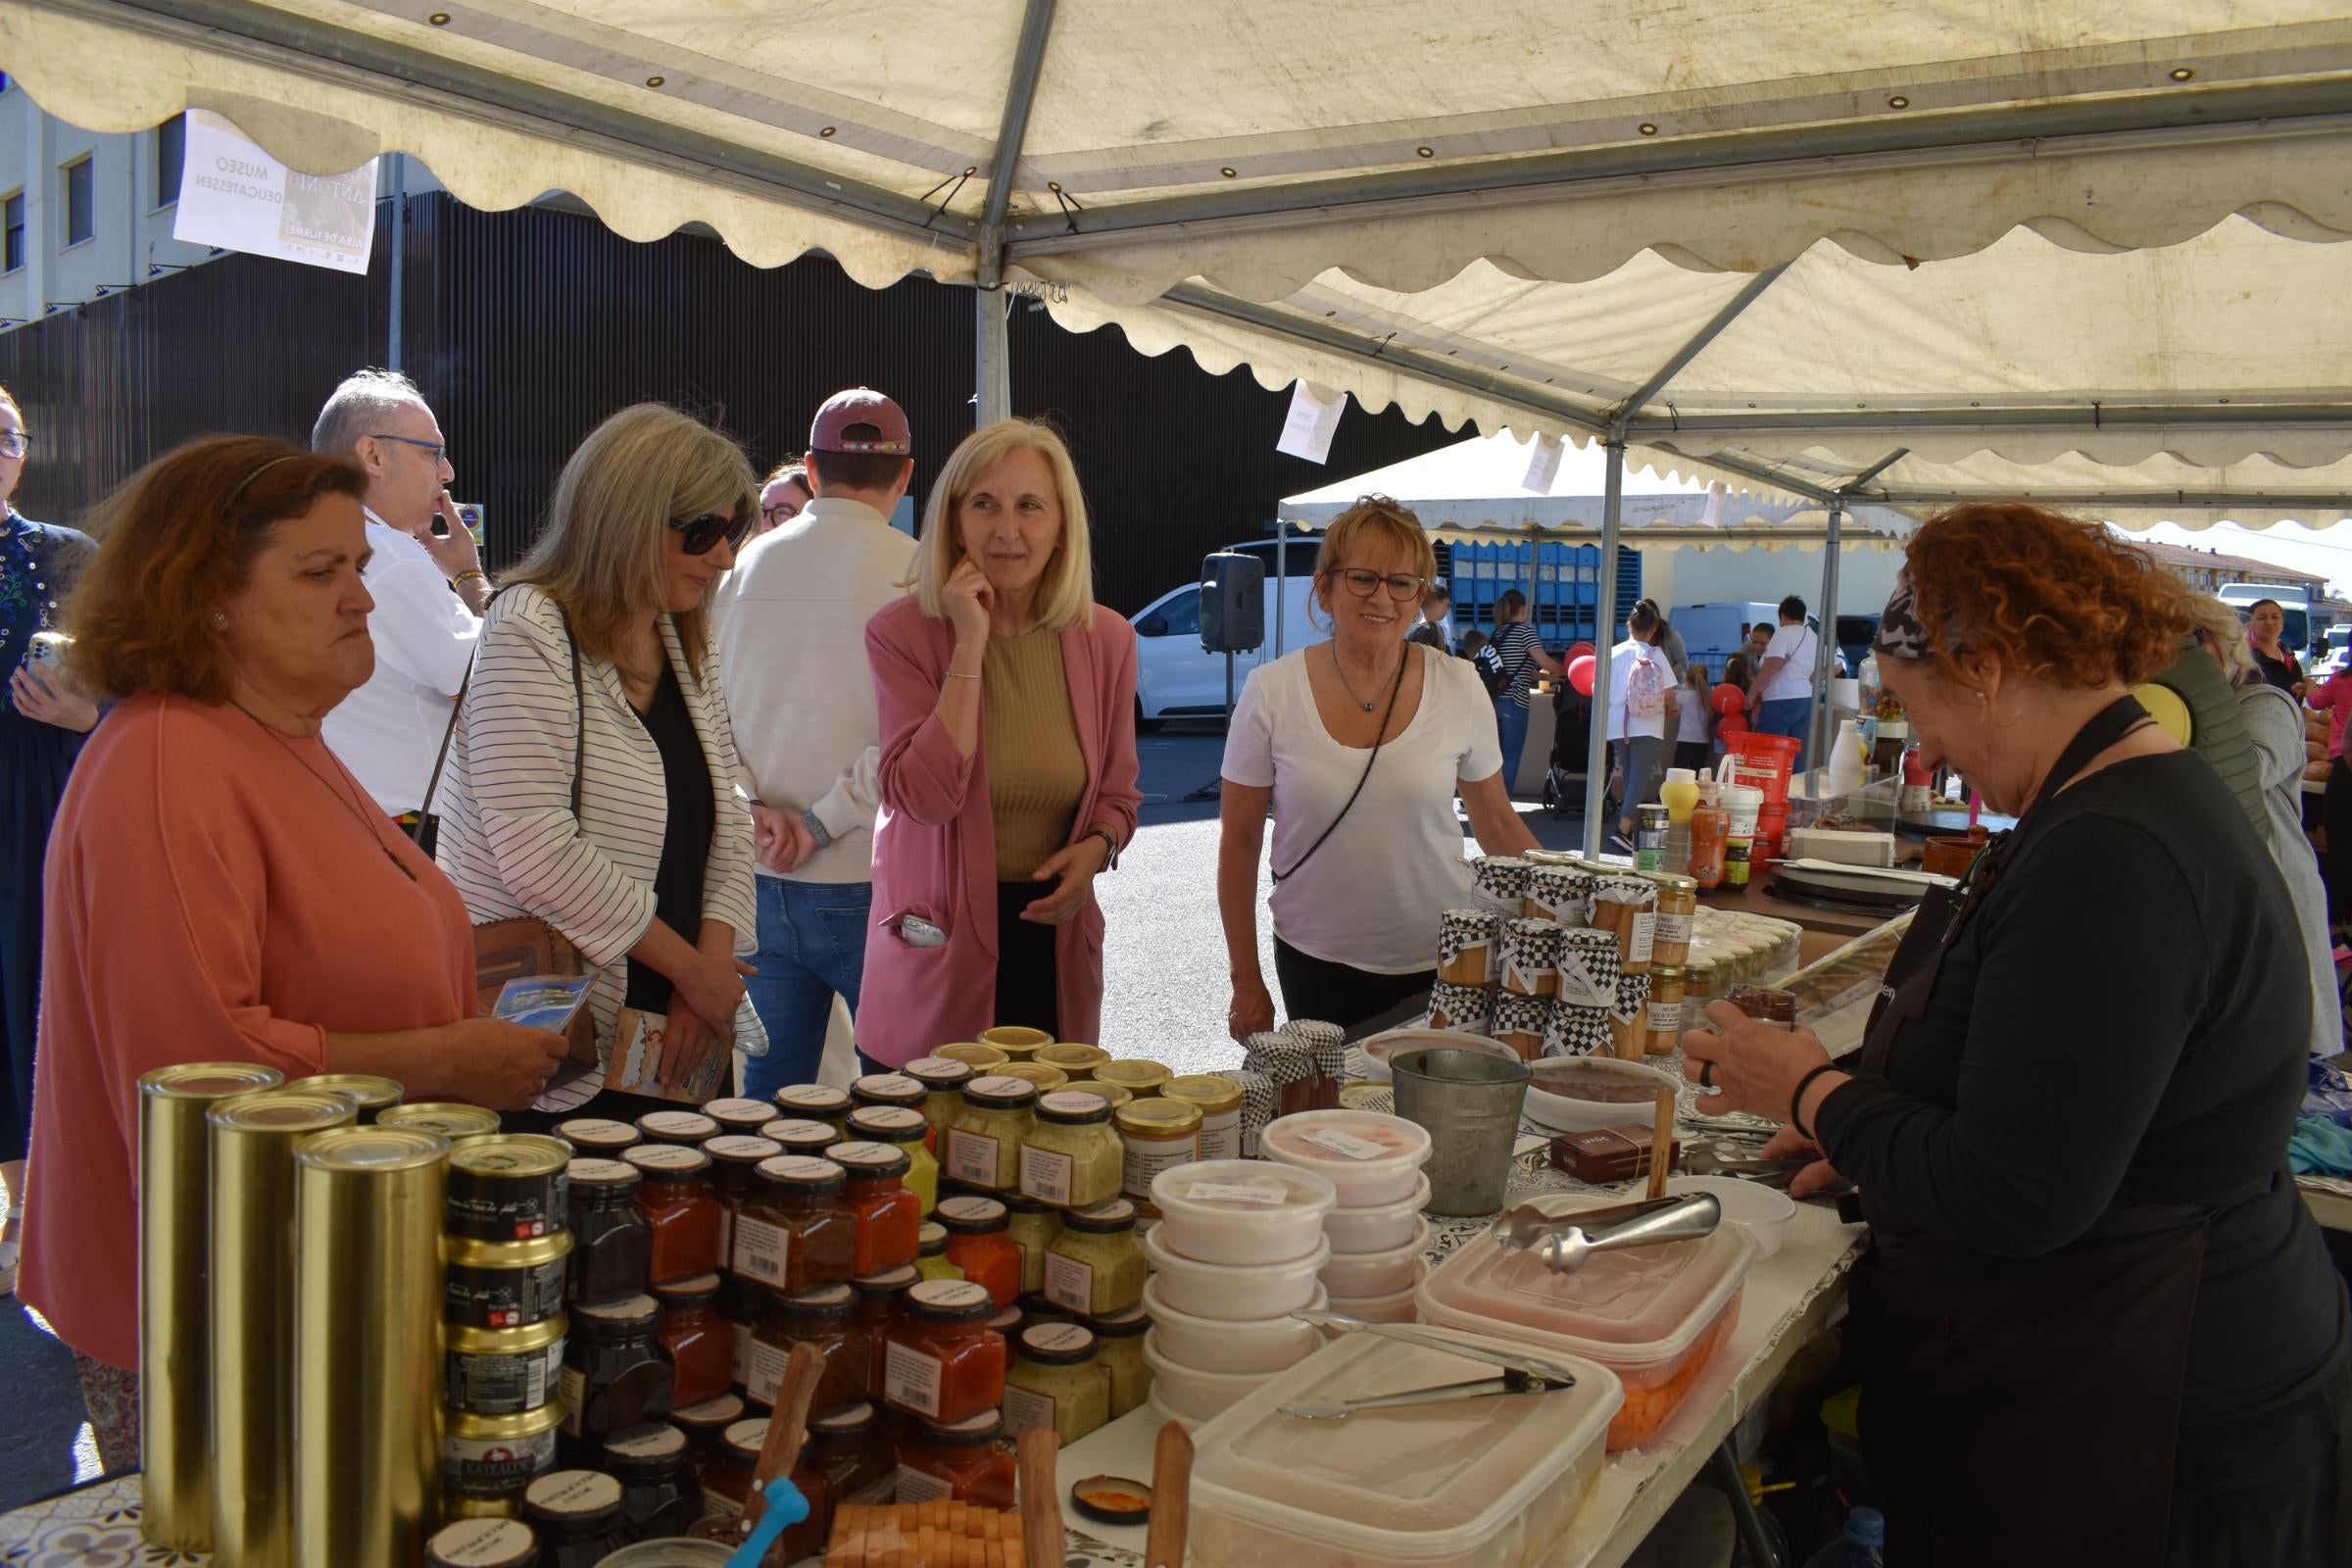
<point x="797" y="1233"/>
<point x="826" y="1319"/>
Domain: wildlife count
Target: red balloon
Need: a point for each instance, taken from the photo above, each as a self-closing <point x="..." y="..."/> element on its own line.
<point x="1580" y="674"/>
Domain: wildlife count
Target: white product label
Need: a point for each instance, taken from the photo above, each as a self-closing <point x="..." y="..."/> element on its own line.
<point x="1577" y="987"/>
<point x="972" y="1157"/>
<point x="1025" y="1408"/>
<point x="742" y="1353"/>
<point x="1526" y="979"/>
<point x="718" y="1505"/>
<point x="762" y="1250"/>
<point x="1646" y="935"/>
<point x="1667" y="1016"/>
<point x="1045" y="1175"/>
<point x="1234" y="1193"/>
<point x="912" y="1379"/>
<point x="1146" y="1160"/>
<point x="1070" y="1283"/>
<point x="545" y="1369"/>
<point x="921" y="1486"/>
<point x="575" y="1395"/>
<point x="1346" y="1144"/>
<point x="1675" y="929"/>
<point x="765" y="1374"/>
<point x="1222" y="1143"/>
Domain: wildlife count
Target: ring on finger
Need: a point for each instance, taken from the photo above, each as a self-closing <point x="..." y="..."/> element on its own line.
<point x="1706" y="1076"/>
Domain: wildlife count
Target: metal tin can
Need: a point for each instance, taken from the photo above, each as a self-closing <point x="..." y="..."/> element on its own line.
<point x="505" y="1284"/>
<point x="373" y="1095"/>
<point x="253" y="1316"/>
<point x="511" y="1187"/>
<point x="501" y="1371"/>
<point x="497" y="1543"/>
<point x="367" y="1361"/>
<point x="481" y="1505"/>
<point x="459" y="1123"/>
<point x="1650" y="840"/>
<point x="498" y="1456"/>
<point x="176" y="1423"/>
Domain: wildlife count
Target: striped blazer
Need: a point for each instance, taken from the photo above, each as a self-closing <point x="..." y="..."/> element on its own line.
<point x="509" y="839"/>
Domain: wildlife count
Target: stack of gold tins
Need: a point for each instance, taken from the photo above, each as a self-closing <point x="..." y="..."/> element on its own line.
<point x="175" y="1345"/>
<point x="366" y="1353"/>
<point x="503" y="1324"/>
<point x="254" y="1139"/>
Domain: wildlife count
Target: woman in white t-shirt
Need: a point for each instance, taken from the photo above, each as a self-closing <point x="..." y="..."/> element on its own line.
<point x="1643" y="711"/>
<point x="1358" y="746"/>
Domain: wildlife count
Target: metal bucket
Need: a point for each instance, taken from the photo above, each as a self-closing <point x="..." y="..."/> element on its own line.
<point x="1469" y="1101"/>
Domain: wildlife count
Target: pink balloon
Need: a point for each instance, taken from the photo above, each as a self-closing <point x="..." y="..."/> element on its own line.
<point x="1580" y="674"/>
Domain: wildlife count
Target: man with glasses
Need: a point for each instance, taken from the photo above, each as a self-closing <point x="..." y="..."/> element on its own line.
<point x="790" y="625"/>
<point x="426" y="575"/>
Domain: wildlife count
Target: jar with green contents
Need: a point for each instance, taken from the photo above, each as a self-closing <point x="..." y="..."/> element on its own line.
<point x="982" y="1060"/>
<point x="1034" y="1226"/>
<point x="984" y="1146"/>
<point x="1218" y="1099"/>
<point x="1075" y="1062"/>
<point x="1045" y="1079"/>
<point x="909" y="1132"/>
<point x="814" y="1103"/>
<point x="1056" y="1382"/>
<point x="943" y="1079"/>
<point x="1096" y="1267"/>
<point x="1142" y="1079"/>
<point x="931" y="1255"/>
<point x="1072" y="1157"/>
<point x="1119" y="1352"/>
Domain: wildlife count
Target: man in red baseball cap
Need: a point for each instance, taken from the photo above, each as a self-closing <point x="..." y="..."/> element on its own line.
<point x="790" y="625"/>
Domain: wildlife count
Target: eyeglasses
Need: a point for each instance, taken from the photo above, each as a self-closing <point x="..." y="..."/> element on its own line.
<point x="1361" y="583"/>
<point x="699" y="536"/>
<point x="781" y="512"/>
<point x="439" y="449"/>
<point x="13" y="443"/>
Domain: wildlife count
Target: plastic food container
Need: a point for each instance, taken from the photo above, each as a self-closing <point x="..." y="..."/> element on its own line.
<point x="1194" y="1394"/>
<point x="1372" y="1160"/>
<point x="1242" y="1210"/>
<point x="1402" y="1307"/>
<point x="1650" y="1315"/>
<point x="1385" y="1273"/>
<point x="1470" y="1484"/>
<point x="1228" y="1291"/>
<point x="1560" y="1107"/>
<point x="1764" y="1212"/>
<point x="1161" y="1415"/>
<point x="1376" y="1230"/>
<point x="1208" y="1344"/>
<point x="1381" y="1047"/>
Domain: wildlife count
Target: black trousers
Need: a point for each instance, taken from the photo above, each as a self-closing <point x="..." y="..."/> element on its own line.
<point x="2336" y="808"/>
<point x="1028" y="984"/>
<point x="1336" y="993"/>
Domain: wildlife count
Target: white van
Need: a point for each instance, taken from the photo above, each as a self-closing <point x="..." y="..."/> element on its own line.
<point x="1175" y="678"/>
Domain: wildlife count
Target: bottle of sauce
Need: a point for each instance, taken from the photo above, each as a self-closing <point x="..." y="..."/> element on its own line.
<point x="889" y="1214"/>
<point x="674" y="1197"/>
<point x="1679" y="793"/>
<point x="701" y="1342"/>
<point x="965" y="1461"/>
<point x="946" y="1364"/>
<point x="979" y="1243"/>
<point x="797" y="1233"/>
<point x="1710" y="833"/>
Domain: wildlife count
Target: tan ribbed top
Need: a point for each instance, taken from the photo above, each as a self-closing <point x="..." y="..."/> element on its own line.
<point x="1036" y="770"/>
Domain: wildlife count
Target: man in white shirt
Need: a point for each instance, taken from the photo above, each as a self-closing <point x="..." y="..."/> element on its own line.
<point x="426" y="575"/>
<point x="1784" y="680"/>
<point x="790" y="625"/>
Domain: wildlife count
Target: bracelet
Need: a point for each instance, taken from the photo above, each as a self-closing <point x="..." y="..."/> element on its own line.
<point x="1108" y="843"/>
<point x="1798" y="1098"/>
<point x="958" y="674"/>
<point x="471" y="571"/>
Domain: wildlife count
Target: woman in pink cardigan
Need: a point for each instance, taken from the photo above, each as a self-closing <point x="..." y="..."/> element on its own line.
<point x="1008" y="719"/>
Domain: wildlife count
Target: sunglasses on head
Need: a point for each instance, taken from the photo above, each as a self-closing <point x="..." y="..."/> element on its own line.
<point x="697" y="536"/>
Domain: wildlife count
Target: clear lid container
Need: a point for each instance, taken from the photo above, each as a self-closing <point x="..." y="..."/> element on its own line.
<point x="1633" y="1308"/>
<point x="1484" y="1480"/>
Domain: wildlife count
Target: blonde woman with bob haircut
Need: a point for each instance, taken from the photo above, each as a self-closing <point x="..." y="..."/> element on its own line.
<point x="590" y="773"/>
<point x="1006" y="698"/>
<point x="1357" y="746"/>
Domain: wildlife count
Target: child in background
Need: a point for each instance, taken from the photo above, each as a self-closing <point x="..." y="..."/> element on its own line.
<point x="1693" y="746"/>
<point x="1730" y="701"/>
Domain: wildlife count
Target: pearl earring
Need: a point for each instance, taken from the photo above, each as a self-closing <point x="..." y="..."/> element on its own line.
<point x="1981" y="697"/>
<point x="220" y="624"/>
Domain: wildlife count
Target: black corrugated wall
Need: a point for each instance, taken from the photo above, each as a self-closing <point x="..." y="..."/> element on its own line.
<point x="524" y="329"/>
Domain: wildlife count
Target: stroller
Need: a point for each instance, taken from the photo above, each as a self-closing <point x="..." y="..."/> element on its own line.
<point x="1571" y="734"/>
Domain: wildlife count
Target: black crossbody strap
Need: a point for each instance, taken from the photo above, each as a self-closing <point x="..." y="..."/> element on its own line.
<point x="1395" y="686"/>
<point x="579" y="705"/>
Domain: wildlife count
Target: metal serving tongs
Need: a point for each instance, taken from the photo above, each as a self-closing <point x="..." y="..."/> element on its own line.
<point x="1521" y="1374"/>
<point x="1562" y="1242"/>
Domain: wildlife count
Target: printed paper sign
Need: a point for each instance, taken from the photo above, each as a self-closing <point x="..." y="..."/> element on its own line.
<point x="1314" y="419"/>
<point x="236" y="196"/>
<point x="1542" y="464"/>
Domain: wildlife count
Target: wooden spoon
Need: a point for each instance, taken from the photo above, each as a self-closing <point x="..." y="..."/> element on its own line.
<point x="1172" y="1499"/>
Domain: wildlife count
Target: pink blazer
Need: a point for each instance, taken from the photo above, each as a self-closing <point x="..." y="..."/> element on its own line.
<point x="935" y="845"/>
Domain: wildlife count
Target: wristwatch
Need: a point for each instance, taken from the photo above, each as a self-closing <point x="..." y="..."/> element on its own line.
<point x="817" y="829"/>
<point x="1108" y="843"/>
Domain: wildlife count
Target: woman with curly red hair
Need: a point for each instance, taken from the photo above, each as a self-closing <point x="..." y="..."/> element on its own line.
<point x="2095" y="1323"/>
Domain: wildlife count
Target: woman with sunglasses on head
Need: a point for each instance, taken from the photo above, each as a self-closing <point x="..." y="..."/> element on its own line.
<point x="597" y="683"/>
<point x="1357" y="746"/>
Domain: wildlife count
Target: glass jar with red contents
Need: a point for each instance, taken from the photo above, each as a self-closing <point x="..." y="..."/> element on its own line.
<point x="674" y="1197"/>
<point x="701" y="1342"/>
<point x="826" y="1319"/>
<point x="881" y="1302"/>
<point x="686" y="1128"/>
<point x="850" y="1451"/>
<point x="889" y="1215"/>
<point x="945" y="1362"/>
<point x="797" y="1233"/>
<point x="980" y="1243"/>
<point x="706" y="1428"/>
<point x="735" y="1176"/>
<point x="744" y="1305"/>
<point x="797" y="1135"/>
<point x="729" y="1487"/>
<point x="967" y="1461"/>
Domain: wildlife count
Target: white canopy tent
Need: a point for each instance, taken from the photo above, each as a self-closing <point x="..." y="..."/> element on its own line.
<point x="1795" y="244"/>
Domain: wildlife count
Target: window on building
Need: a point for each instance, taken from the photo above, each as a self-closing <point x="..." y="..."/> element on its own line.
<point x="12" y="230"/>
<point x="81" y="196"/>
<point x="171" y="153"/>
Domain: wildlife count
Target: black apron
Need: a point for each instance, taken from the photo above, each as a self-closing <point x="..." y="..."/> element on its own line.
<point x="2017" y="1411"/>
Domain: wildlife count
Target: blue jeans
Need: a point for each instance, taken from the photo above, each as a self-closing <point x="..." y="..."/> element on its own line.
<point x="1510" y="726"/>
<point x="1787" y="715"/>
<point x="811" y="946"/>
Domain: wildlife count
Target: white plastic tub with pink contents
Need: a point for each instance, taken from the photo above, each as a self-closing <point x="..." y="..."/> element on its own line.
<point x="1372" y="1160"/>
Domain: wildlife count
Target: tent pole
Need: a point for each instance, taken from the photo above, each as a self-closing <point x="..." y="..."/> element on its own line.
<point x="1604" y="622"/>
<point x="991" y="363"/>
<point x="1826" y="656"/>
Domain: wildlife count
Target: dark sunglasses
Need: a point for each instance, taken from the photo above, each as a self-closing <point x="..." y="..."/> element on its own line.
<point x="699" y="535"/>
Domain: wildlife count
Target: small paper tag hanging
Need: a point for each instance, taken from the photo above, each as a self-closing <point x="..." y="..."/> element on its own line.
<point x="1542" y="464"/>
<point x="1314" y="419"/>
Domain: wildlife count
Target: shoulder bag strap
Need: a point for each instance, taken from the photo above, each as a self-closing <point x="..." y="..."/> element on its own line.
<point x="579" y="702"/>
<point x="1395" y="686"/>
